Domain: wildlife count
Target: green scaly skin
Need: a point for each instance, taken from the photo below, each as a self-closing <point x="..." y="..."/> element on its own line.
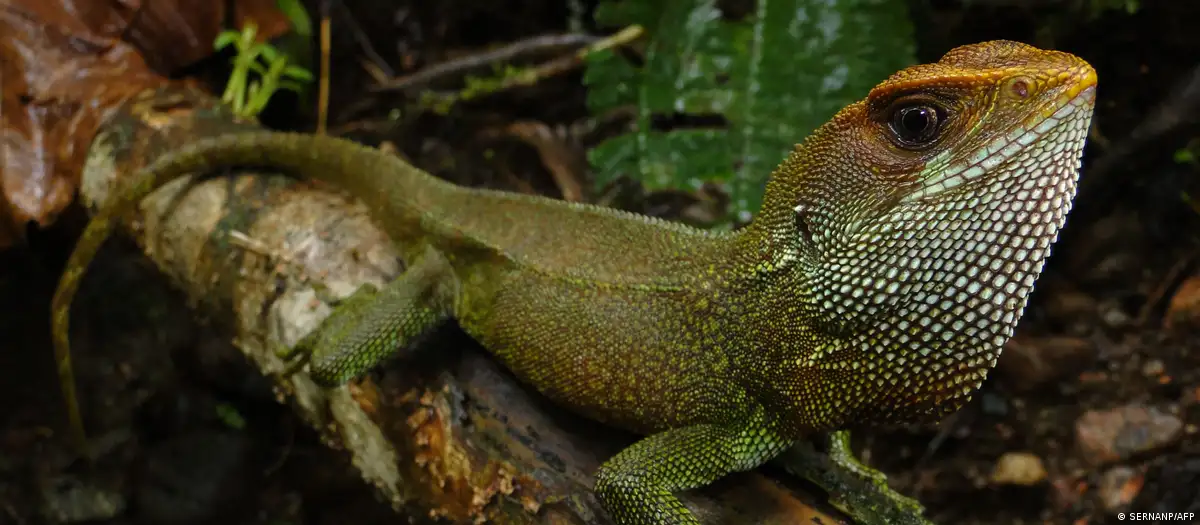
<point x="888" y="265"/>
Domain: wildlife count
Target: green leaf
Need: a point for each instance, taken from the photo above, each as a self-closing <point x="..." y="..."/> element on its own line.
<point x="226" y="39"/>
<point x="229" y="415"/>
<point x="297" y="73"/>
<point x="252" y="89"/>
<point x="294" y="10"/>
<point x="249" y="31"/>
<point x="1184" y="156"/>
<point x="256" y="67"/>
<point x="757" y="85"/>
<point x="268" y="52"/>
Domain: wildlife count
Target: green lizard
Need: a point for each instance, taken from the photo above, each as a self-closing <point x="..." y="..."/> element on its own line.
<point x="888" y="265"/>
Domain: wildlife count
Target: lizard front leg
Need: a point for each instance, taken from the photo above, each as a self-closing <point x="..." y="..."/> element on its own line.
<point x="843" y="456"/>
<point x="638" y="485"/>
<point x="372" y="325"/>
<point x="840" y="474"/>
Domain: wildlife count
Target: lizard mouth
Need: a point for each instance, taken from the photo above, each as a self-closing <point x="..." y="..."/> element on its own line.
<point x="1066" y="127"/>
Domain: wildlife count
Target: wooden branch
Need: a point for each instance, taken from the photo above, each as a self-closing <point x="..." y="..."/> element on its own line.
<point x="451" y="434"/>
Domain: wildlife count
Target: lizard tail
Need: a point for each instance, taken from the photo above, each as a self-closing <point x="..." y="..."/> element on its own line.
<point x="396" y="192"/>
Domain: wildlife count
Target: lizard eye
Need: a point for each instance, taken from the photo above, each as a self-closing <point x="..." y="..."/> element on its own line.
<point x="916" y="125"/>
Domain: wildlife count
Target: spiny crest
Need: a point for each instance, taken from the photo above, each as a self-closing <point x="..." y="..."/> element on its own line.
<point x="985" y="64"/>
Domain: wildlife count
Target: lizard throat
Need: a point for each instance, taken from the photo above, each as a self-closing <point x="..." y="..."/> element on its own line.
<point x="920" y="300"/>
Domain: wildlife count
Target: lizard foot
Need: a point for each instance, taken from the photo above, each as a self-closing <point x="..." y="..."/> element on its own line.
<point x="843" y="456"/>
<point x="855" y="489"/>
<point x="373" y="324"/>
<point x="343" y="318"/>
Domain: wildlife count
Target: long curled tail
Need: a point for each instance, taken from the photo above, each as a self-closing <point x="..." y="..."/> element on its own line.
<point x="351" y="166"/>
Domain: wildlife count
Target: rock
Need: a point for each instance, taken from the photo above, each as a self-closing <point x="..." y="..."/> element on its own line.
<point x="1184" y="309"/>
<point x="67" y="499"/>
<point x="1190" y="397"/>
<point x="1065" y="493"/>
<point x="1114" y="316"/>
<point x="1153" y="368"/>
<point x="1018" y="468"/>
<point x="1111" y="435"/>
<point x="1171" y="486"/>
<point x="1028" y="363"/>
<point x="1068" y="306"/>
<point x="1119" y="486"/>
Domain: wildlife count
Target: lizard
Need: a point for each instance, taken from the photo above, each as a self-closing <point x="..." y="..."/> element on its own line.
<point x="891" y="258"/>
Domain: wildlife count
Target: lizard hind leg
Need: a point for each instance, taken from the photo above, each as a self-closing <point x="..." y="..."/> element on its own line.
<point x="373" y="324"/>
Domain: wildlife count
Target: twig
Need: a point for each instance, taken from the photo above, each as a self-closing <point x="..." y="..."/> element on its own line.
<point x="323" y="79"/>
<point x="356" y="31"/>
<point x="8" y="509"/>
<point x="533" y="75"/>
<point x="503" y="54"/>
<point x="561" y="161"/>
<point x="1168" y="282"/>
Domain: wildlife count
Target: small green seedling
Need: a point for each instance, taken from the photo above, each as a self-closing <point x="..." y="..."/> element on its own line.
<point x="249" y="96"/>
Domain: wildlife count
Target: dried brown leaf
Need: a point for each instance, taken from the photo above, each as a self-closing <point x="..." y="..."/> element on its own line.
<point x="65" y="65"/>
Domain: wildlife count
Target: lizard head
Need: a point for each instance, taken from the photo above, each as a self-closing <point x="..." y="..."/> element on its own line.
<point x="920" y="217"/>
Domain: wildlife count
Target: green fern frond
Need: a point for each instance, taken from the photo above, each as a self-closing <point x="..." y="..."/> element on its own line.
<point x="745" y="90"/>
